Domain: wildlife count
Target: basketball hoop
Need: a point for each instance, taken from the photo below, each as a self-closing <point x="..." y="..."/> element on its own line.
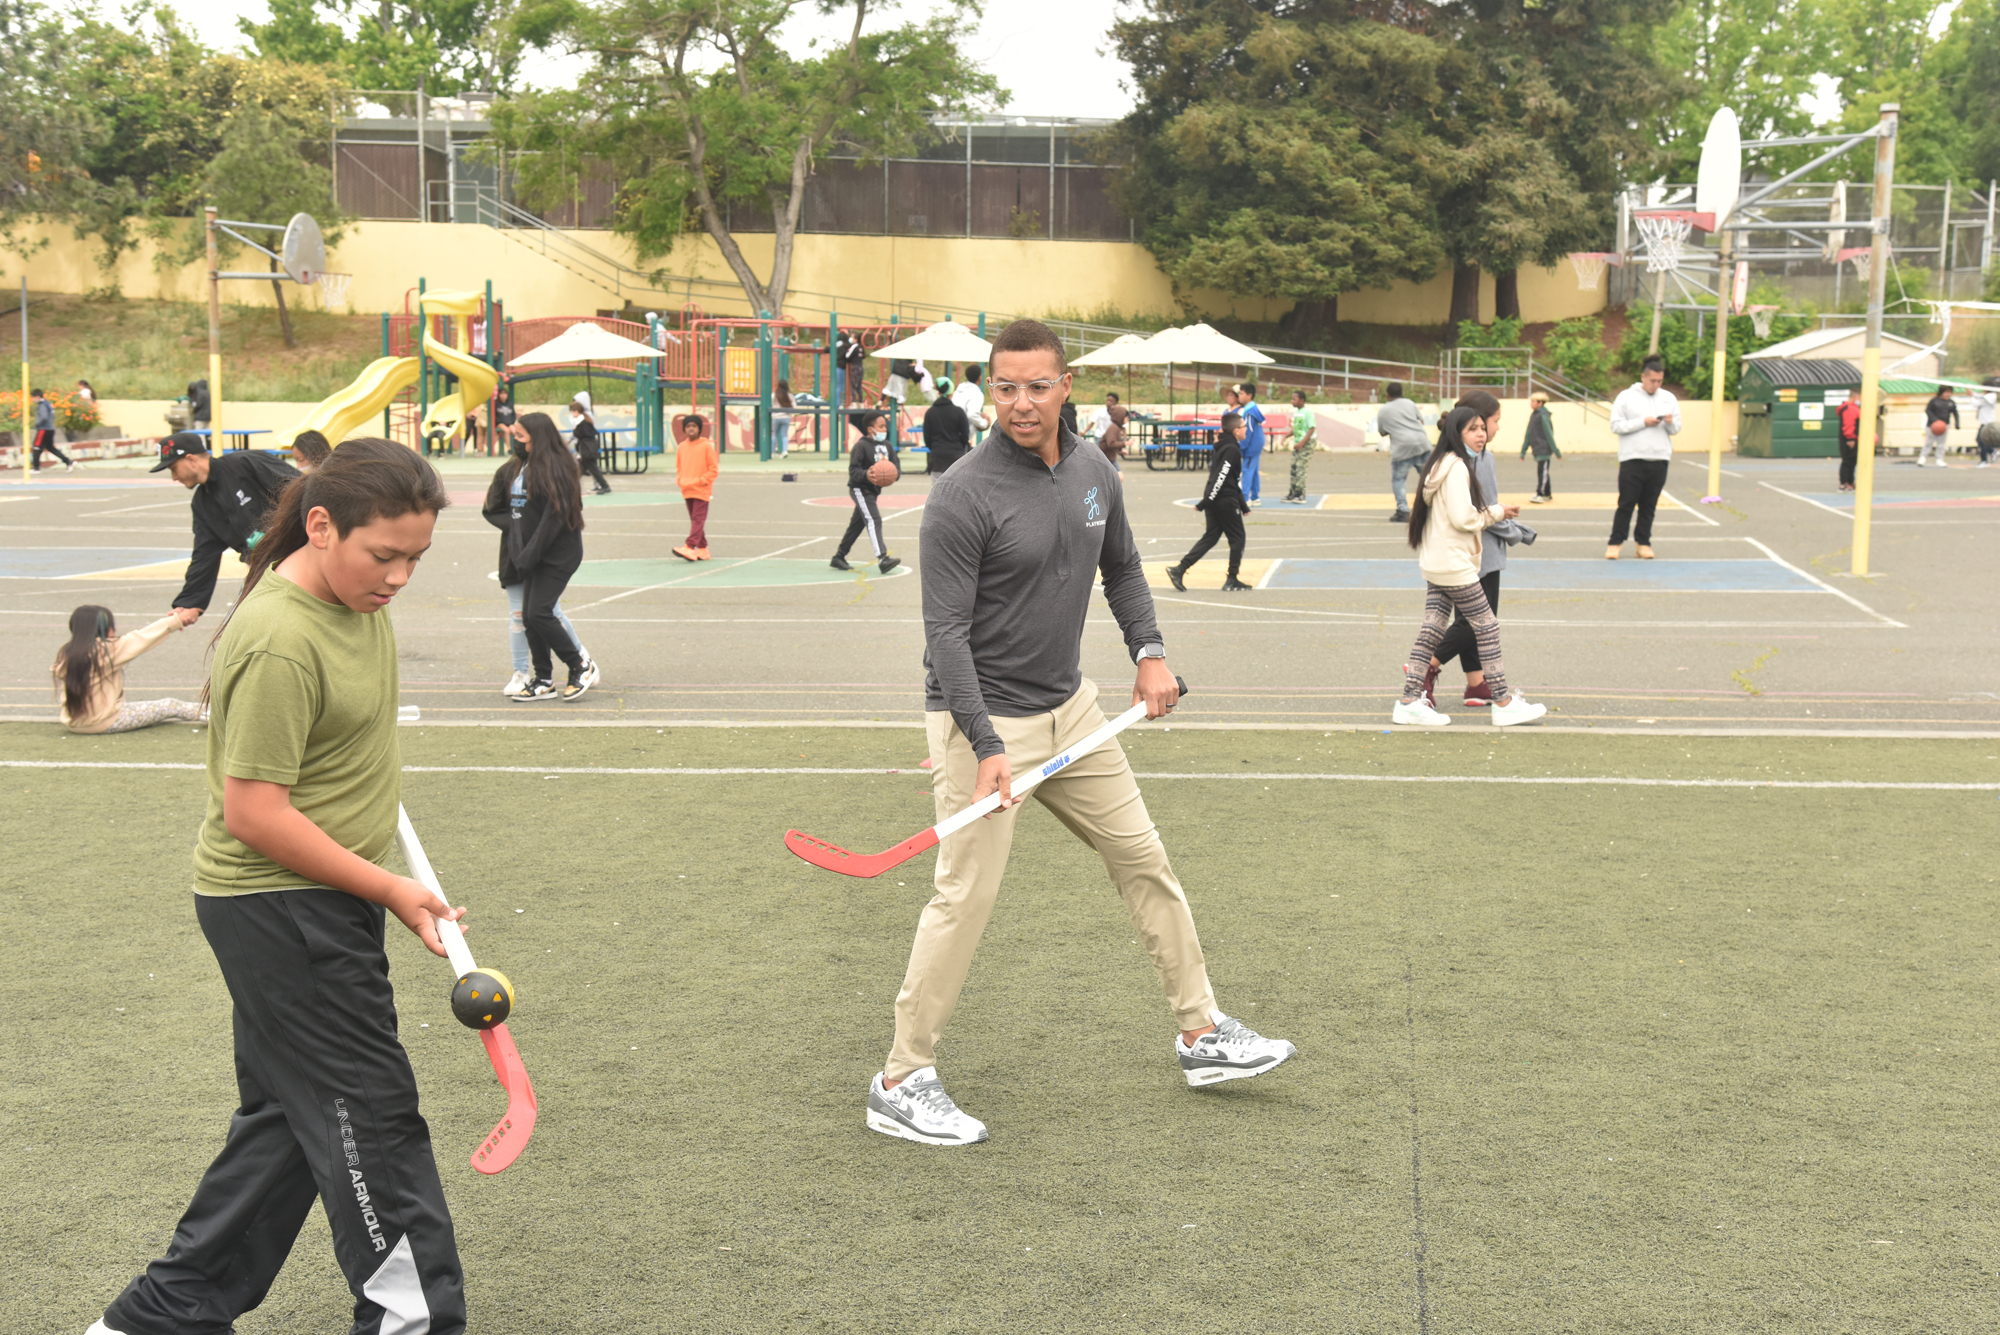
<point x="1665" y="234"/>
<point x="333" y="288"/>
<point x="1589" y="266"/>
<point x="1760" y="319"/>
<point x="1860" y="257"/>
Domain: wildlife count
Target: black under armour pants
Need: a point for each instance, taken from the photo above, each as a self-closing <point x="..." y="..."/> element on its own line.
<point x="867" y="515"/>
<point x="1224" y="520"/>
<point x="45" y="439"/>
<point x="328" y="1112"/>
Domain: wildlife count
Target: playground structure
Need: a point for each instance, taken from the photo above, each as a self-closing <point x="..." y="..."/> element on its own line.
<point x="441" y="364"/>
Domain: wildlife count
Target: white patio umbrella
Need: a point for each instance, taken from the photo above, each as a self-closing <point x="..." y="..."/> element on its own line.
<point x="584" y="343"/>
<point x="947" y="341"/>
<point x="1127" y="350"/>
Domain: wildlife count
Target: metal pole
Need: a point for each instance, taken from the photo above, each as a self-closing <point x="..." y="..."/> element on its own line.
<point x="1986" y="245"/>
<point x="27" y="431"/>
<point x="1659" y="300"/>
<point x="968" y="177"/>
<point x="1871" y="354"/>
<point x="385" y="352"/>
<point x="1945" y="256"/>
<point x="1052" y="180"/>
<point x="214" y="339"/>
<point x="1724" y="282"/>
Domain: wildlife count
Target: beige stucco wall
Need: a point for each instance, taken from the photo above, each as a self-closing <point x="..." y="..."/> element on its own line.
<point x="863" y="276"/>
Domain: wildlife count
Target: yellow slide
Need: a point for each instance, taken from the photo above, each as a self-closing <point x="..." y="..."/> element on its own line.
<point x="476" y="379"/>
<point x="341" y="414"/>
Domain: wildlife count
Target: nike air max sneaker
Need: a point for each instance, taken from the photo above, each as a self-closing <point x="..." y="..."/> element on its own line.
<point x="918" y="1109"/>
<point x="1230" y="1051"/>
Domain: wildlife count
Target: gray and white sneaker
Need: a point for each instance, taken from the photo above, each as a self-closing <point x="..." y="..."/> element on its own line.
<point x="1231" y="1051"/>
<point x="918" y="1109"/>
<point x="515" y="683"/>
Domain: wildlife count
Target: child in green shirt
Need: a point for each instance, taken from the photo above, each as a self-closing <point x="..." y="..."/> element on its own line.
<point x="304" y="785"/>
<point x="1305" y="438"/>
<point x="1541" y="438"/>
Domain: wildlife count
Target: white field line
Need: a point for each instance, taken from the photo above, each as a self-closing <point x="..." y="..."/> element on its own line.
<point x="696" y="573"/>
<point x="156" y="505"/>
<point x="690" y="771"/>
<point x="1839" y="514"/>
<point x="1838" y="593"/>
<point x="1712" y="523"/>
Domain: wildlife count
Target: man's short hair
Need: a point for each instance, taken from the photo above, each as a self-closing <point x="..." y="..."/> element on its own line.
<point x="1248" y="387"/>
<point x="1393" y="390"/>
<point x="1112" y="394"/>
<point x="1299" y="394"/>
<point x="1655" y="362"/>
<point x="973" y="370"/>
<point x="1030" y="336"/>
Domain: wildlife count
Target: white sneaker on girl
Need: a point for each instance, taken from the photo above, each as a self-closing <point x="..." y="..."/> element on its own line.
<point x="1418" y="714"/>
<point x="1517" y="710"/>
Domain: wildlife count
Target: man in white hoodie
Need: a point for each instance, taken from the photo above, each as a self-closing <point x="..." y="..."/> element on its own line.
<point x="1645" y="418"/>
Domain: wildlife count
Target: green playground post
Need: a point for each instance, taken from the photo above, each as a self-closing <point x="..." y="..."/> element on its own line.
<point x="837" y="378"/>
<point x="423" y="368"/>
<point x="982" y="324"/>
<point x="385" y="353"/>
<point x="765" y="369"/>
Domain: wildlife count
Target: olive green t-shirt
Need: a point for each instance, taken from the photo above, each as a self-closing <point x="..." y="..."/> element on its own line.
<point x="302" y="693"/>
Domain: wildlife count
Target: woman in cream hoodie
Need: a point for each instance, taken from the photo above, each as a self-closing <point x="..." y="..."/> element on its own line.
<point x="1445" y="523"/>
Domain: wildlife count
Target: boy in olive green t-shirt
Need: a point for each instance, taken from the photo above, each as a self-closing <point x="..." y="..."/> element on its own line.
<point x="1305" y="438"/>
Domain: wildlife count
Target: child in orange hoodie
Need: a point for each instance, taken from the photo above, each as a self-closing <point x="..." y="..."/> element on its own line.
<point x="695" y="467"/>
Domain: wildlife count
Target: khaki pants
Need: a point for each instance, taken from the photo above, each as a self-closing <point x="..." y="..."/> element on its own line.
<point x="1098" y="799"/>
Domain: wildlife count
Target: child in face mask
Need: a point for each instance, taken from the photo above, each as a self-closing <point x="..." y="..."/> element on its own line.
<point x="864" y="484"/>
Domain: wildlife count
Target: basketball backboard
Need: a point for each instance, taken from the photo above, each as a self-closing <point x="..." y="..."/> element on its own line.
<point x="303" y="253"/>
<point x="1721" y="172"/>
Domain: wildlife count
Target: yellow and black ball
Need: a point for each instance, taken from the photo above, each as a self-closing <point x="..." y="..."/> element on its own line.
<point x="482" y="999"/>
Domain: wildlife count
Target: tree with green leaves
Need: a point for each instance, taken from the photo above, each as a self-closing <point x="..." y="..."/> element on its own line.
<point x="1550" y="112"/>
<point x="46" y="135"/>
<point x="695" y="105"/>
<point x="1282" y="150"/>
<point x="438" y="47"/>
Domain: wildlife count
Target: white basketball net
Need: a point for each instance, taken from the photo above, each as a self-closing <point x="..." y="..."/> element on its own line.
<point x="1861" y="263"/>
<point x="1760" y="319"/>
<point x="1589" y="269"/>
<point x="333" y="288"/>
<point x="1664" y="237"/>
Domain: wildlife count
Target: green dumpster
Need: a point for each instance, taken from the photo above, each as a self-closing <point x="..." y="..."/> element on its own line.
<point x="1790" y="409"/>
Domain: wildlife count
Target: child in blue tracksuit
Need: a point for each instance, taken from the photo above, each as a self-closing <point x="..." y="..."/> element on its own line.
<point x="1253" y="442"/>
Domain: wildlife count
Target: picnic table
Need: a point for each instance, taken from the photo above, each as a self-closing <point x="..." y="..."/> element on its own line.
<point x="1179" y="444"/>
<point x="637" y="458"/>
<point x="240" y="435"/>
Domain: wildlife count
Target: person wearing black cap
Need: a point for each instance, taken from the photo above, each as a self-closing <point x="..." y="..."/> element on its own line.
<point x="232" y="496"/>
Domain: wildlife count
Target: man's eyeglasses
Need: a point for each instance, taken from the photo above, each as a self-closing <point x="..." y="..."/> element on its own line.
<point x="1038" y="391"/>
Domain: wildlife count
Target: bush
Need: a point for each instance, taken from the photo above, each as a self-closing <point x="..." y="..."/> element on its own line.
<point x="1499" y="334"/>
<point x="74" y="414"/>
<point x="1576" y="348"/>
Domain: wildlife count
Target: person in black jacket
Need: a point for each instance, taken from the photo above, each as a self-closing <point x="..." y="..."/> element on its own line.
<point x="232" y="495"/>
<point x="545" y="544"/>
<point x="874" y="447"/>
<point x="198" y="406"/>
<point x="504" y="500"/>
<point x="947" y="430"/>
<point x="584" y="433"/>
<point x="1222" y="501"/>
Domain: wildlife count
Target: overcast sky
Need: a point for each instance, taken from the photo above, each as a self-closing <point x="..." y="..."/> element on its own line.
<point x="1052" y="55"/>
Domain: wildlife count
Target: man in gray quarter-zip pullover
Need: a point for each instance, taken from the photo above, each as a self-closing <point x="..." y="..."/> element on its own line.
<point x="1014" y="538"/>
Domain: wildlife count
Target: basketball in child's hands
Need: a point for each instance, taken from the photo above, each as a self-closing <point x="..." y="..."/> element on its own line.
<point x="1938" y="428"/>
<point x="882" y="472"/>
<point x="482" y="999"/>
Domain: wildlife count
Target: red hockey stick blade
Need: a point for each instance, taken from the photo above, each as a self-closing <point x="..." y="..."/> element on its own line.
<point x="866" y="865"/>
<point x="510" y="1137"/>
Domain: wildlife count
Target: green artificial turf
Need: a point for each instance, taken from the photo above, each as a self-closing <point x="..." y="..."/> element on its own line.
<point x="1573" y="1058"/>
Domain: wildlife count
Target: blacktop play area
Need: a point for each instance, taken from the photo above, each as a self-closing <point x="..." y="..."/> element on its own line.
<point x="1675" y="1013"/>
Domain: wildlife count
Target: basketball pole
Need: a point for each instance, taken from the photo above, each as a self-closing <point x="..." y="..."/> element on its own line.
<point x="1722" y="294"/>
<point x="27" y="431"/>
<point x="1871" y="353"/>
<point x="214" y="340"/>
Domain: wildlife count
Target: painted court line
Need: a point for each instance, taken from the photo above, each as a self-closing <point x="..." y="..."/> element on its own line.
<point x="1843" y="514"/>
<point x="1666" y="495"/>
<point x="690" y="771"/>
<point x="1840" y="594"/>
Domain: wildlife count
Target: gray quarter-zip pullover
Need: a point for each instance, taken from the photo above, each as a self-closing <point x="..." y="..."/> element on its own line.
<point x="1011" y="549"/>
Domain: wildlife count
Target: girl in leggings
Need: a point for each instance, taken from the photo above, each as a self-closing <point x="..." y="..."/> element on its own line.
<point x="546" y="546"/>
<point x="1446" y="520"/>
<point x="505" y="500"/>
<point x="89" y="674"/>
<point x="291" y="892"/>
